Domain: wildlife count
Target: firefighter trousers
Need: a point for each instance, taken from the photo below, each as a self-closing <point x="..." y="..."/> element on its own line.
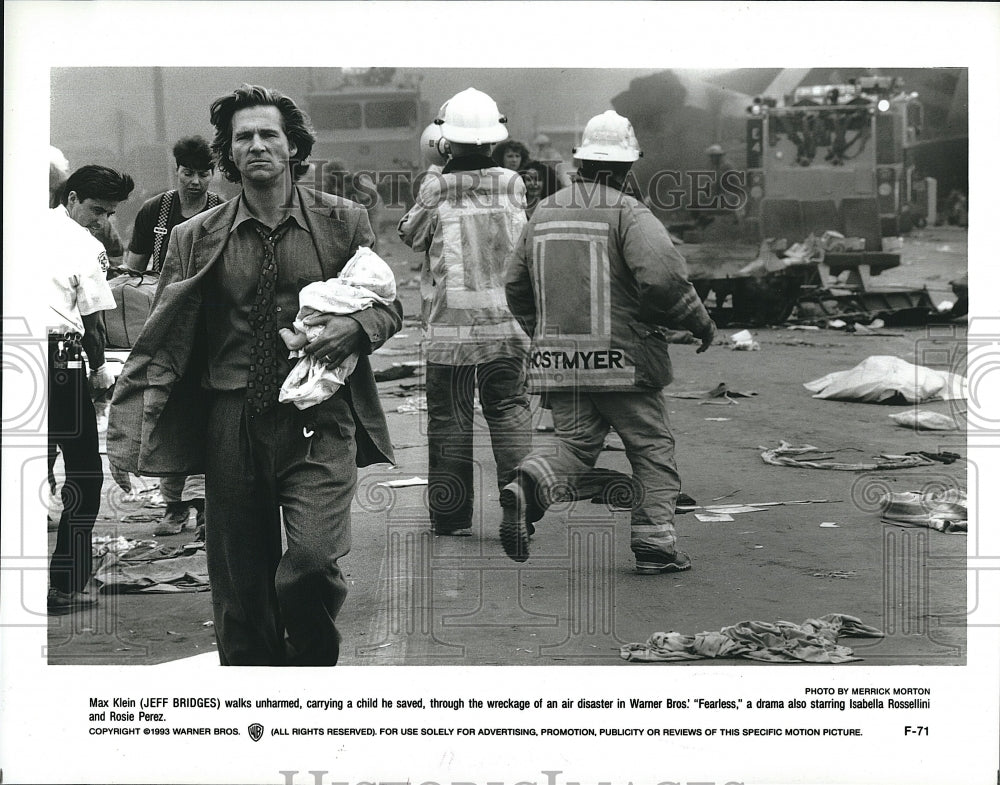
<point x="582" y="421"/>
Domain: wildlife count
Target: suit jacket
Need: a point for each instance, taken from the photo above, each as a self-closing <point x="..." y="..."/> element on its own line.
<point x="159" y="411"/>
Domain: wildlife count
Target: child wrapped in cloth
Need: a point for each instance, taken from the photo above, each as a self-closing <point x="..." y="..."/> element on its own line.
<point x="365" y="279"/>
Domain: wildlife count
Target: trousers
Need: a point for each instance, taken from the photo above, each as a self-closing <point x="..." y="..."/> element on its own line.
<point x="284" y="470"/>
<point x="451" y="389"/>
<point x="582" y="421"/>
<point x="72" y="425"/>
<point x="180" y="488"/>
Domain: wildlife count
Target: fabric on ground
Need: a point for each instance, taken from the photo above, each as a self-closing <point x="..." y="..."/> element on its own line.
<point x="885" y="379"/>
<point x="719" y="391"/>
<point x="947" y="512"/>
<point x="815" y="640"/>
<point x="785" y="455"/>
<point x="925" y="421"/>
<point x="118" y="575"/>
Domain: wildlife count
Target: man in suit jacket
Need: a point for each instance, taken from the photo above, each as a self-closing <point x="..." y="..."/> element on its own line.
<point x="199" y="391"/>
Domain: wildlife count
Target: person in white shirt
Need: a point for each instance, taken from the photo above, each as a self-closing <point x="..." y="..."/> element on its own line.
<point x="77" y="291"/>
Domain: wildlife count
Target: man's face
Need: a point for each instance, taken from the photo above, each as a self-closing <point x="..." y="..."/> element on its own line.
<point x="193" y="182"/>
<point x="260" y="148"/>
<point x="512" y="159"/>
<point x="90" y="213"/>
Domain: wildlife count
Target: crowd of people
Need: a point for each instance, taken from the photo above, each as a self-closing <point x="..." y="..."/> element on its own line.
<point x="529" y="284"/>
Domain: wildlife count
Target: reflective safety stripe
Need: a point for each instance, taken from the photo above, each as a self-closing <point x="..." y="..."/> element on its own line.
<point x="474" y="244"/>
<point x="572" y="267"/>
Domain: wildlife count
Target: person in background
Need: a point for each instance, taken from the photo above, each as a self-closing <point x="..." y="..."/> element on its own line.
<point x="147" y="250"/>
<point x="199" y="391"/>
<point x="105" y="230"/>
<point x="467" y="219"/>
<point x="539" y="182"/>
<point x="592" y="279"/>
<point x="511" y="155"/>
<point x="77" y="290"/>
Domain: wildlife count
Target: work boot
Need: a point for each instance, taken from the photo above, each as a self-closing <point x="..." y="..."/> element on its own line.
<point x="649" y="562"/>
<point x="174" y="519"/>
<point x="60" y="602"/>
<point x="514" y="527"/>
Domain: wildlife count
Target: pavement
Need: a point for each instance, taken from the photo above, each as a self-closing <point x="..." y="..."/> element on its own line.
<point x="419" y="599"/>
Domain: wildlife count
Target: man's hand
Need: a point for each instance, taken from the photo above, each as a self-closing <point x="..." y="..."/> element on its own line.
<point x="707" y="340"/>
<point x="340" y="338"/>
<point x="101" y="379"/>
<point x="121" y="477"/>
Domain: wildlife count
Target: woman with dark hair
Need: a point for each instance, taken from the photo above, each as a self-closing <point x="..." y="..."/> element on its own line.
<point x="297" y="127"/>
<point x="539" y="181"/>
<point x="511" y="155"/>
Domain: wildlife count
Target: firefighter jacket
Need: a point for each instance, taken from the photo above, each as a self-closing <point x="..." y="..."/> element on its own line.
<point x="592" y="279"/>
<point x="467" y="220"/>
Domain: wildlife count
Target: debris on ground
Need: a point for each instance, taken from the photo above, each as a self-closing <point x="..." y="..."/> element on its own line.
<point x="842" y="574"/>
<point x="945" y="512"/>
<point x="707" y="517"/>
<point x="805" y="456"/>
<point x="743" y="342"/>
<point x="887" y="379"/>
<point x="396" y="371"/>
<point x="815" y="640"/>
<point x="720" y="394"/>
<point x="407" y="483"/>
<point x="413" y="404"/>
<point x="156" y="573"/>
<point x="925" y="421"/>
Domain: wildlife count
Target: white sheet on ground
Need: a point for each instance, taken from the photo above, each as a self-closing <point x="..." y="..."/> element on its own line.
<point x="882" y="377"/>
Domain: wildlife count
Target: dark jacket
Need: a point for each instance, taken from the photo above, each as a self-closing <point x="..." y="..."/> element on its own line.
<point x="159" y="410"/>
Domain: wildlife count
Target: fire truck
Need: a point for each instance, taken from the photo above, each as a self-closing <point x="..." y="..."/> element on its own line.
<point x="370" y="119"/>
<point x="836" y="157"/>
<point x="827" y="159"/>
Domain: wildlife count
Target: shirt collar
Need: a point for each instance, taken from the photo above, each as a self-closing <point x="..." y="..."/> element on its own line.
<point x="294" y="212"/>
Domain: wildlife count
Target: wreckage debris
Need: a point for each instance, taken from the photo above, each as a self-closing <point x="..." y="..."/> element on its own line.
<point x="946" y="512"/>
<point x="805" y="456"/>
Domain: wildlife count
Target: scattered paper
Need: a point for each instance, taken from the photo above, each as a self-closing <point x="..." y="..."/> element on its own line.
<point x="403" y="483"/>
<point x="829" y="525"/>
<point x="712" y="518"/>
<point x="718" y="419"/>
<point x="731" y="509"/>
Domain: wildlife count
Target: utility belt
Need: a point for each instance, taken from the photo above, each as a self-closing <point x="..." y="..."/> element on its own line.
<point x="66" y="351"/>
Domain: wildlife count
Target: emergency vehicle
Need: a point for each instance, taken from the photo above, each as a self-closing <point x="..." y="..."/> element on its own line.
<point x="370" y="124"/>
<point x="836" y="157"/>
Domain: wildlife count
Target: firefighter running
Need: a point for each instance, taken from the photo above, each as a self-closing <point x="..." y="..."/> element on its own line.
<point x="593" y="278"/>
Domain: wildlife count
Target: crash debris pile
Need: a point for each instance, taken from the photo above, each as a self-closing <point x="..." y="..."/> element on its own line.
<point x="815" y="640"/>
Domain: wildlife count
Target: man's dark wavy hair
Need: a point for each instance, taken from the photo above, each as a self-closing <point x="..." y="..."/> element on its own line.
<point x="193" y="152"/>
<point x="97" y="182"/>
<point x="296" y="124"/>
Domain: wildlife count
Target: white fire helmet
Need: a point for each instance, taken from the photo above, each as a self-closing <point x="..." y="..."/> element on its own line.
<point x="472" y="117"/>
<point x="433" y="146"/>
<point x="608" y="137"/>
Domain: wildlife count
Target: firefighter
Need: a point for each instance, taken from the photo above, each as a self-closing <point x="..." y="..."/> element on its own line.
<point x="467" y="219"/>
<point x="592" y="279"/>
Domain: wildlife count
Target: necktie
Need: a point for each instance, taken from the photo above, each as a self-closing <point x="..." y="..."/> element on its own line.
<point x="262" y="380"/>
